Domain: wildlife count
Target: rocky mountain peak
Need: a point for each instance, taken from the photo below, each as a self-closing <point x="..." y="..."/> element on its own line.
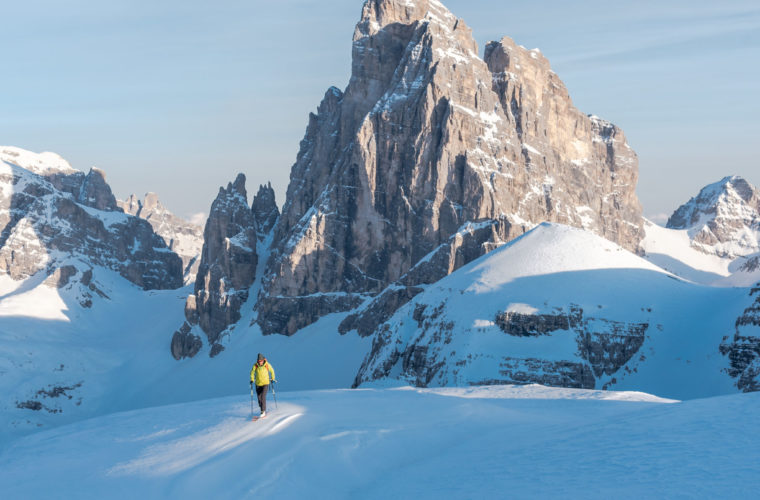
<point x="507" y="56"/>
<point x="431" y="149"/>
<point x="226" y="272"/>
<point x="152" y="203"/>
<point x="95" y="191"/>
<point x="265" y="210"/>
<point x="52" y="216"/>
<point x="181" y="236"/>
<point x="723" y="219"/>
<point x="237" y="186"/>
<point x="131" y="205"/>
<point x="378" y="14"/>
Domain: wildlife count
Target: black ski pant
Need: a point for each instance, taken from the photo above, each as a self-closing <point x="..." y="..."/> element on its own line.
<point x="261" y="393"/>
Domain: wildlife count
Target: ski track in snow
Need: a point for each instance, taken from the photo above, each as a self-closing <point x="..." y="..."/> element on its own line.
<point x="186" y="452"/>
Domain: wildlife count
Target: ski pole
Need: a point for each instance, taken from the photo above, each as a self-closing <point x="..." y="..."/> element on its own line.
<point x="274" y="395"/>
<point x="251" y="399"/>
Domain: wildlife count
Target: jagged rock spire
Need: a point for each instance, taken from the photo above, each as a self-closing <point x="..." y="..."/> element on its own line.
<point x="265" y="210"/>
<point x="228" y="262"/>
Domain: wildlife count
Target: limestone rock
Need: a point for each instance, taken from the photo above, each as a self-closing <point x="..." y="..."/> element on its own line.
<point x="723" y="219"/>
<point x="184" y="344"/>
<point x="95" y="192"/>
<point x="426" y="138"/>
<point x="182" y="237"/>
<point x="603" y="347"/>
<point x="51" y="214"/>
<point x="265" y="210"/>
<point x="466" y="245"/>
<point x="60" y="277"/>
<point x="743" y="348"/>
<point x="228" y="262"/>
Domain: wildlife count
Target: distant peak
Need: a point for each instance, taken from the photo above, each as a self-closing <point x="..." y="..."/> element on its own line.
<point x="716" y="200"/>
<point x="739" y="185"/>
<point x="151" y="201"/>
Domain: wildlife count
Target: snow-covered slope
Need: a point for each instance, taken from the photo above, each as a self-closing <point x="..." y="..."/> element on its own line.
<point x="62" y="361"/>
<point x="561" y="306"/>
<point x="39" y="163"/>
<point x="516" y="442"/>
<point x="714" y="238"/>
<point x="672" y="249"/>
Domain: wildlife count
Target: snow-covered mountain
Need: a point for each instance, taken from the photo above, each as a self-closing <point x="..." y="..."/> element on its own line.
<point x="561" y="306"/>
<point x="182" y="237"/>
<point x="714" y="238"/>
<point x="61" y="222"/>
<point x="723" y="219"/>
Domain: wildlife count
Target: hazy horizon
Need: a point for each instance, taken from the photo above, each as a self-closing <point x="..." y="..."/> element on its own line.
<point x="177" y="98"/>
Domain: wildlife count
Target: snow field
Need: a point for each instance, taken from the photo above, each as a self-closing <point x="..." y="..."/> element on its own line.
<point x="517" y="442"/>
<point x="119" y="351"/>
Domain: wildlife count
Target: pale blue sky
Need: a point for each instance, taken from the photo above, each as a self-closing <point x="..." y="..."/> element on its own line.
<point x="178" y="96"/>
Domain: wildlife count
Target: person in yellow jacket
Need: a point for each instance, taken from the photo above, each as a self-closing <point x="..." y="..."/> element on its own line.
<point x="261" y="374"/>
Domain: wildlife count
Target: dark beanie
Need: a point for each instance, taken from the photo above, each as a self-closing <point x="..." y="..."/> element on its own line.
<point x="261" y="356"/>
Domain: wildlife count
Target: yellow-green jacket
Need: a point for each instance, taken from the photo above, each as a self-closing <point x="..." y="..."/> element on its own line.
<point x="262" y="374"/>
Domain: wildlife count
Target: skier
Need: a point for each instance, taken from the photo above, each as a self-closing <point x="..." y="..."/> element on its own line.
<point x="261" y="374"/>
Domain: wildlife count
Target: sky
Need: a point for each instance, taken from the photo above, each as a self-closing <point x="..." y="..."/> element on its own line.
<point x="177" y="97"/>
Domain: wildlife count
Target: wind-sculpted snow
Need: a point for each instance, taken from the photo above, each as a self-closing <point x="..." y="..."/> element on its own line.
<point x="481" y="442"/>
<point x="200" y="443"/>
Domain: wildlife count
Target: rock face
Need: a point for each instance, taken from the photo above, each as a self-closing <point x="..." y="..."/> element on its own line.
<point x="467" y="244"/>
<point x="603" y="347"/>
<point x="265" y="210"/>
<point x="54" y="217"/>
<point x="181" y="237"/>
<point x="743" y="349"/>
<point x="723" y="219"/>
<point x="227" y="266"/>
<point x="463" y="330"/>
<point x="426" y="140"/>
